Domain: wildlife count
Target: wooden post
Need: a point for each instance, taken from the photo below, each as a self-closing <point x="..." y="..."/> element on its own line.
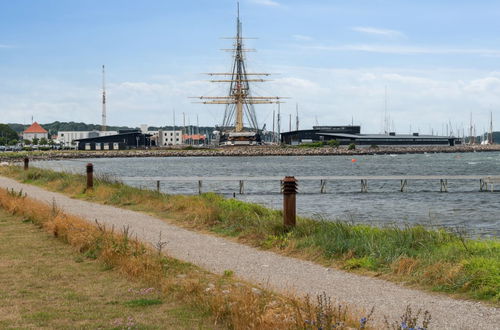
<point x="364" y="185"/>
<point x="322" y="189"/>
<point x="199" y="187"/>
<point x="289" y="201"/>
<point x="404" y="184"/>
<point x="242" y="187"/>
<point x="444" y="185"/>
<point x="26" y="163"/>
<point x="90" y="176"/>
<point x="158" y="186"/>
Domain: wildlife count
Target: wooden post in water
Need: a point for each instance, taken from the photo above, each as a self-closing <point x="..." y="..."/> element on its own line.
<point x="26" y="163"/>
<point x="90" y="176"/>
<point x="289" y="201"/>
<point x="199" y="187"/>
<point x="158" y="186"/>
<point x="322" y="188"/>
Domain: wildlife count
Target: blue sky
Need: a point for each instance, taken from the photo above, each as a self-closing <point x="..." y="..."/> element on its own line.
<point x="438" y="59"/>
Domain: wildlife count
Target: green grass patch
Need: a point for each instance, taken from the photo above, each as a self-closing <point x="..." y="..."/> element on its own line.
<point x="434" y="259"/>
<point x="143" y="302"/>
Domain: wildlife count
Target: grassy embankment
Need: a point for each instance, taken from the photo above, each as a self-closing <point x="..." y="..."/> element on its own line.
<point x="44" y="285"/>
<point x="431" y="259"/>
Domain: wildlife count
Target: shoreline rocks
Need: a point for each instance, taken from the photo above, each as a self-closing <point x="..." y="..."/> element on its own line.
<point x="244" y="151"/>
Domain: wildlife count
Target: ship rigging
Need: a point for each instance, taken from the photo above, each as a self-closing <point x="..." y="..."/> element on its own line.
<point x="239" y="125"/>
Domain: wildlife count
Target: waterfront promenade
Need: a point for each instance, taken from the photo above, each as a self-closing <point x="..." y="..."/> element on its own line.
<point x="278" y="272"/>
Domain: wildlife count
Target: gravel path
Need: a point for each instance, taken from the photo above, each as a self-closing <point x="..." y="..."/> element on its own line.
<point x="277" y="272"/>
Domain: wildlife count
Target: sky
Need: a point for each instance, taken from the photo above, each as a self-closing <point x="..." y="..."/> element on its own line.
<point x="427" y="64"/>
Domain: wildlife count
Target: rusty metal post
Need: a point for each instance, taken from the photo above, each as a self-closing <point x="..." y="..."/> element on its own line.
<point x="26" y="163"/>
<point x="90" y="176"/>
<point x="289" y="185"/>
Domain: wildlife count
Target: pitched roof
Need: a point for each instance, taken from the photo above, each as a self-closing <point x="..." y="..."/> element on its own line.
<point x="35" y="128"/>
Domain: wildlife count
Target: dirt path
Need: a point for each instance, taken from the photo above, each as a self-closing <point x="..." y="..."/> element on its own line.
<point x="277" y="272"/>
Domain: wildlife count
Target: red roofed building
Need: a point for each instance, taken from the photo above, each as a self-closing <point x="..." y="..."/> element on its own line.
<point x="35" y="131"/>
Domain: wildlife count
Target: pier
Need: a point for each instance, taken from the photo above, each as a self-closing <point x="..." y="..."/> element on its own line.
<point x="485" y="182"/>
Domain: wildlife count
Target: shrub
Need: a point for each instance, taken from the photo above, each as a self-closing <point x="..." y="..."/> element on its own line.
<point x="352" y="146"/>
<point x="333" y="143"/>
<point x="312" y="145"/>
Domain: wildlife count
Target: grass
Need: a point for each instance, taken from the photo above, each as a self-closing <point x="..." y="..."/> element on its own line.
<point x="46" y="284"/>
<point x="89" y="286"/>
<point x="432" y="259"/>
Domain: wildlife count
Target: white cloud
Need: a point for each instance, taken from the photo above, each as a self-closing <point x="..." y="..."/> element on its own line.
<point x="378" y="31"/>
<point x="270" y="3"/>
<point x="302" y="37"/>
<point x="406" y="50"/>
<point x="420" y="98"/>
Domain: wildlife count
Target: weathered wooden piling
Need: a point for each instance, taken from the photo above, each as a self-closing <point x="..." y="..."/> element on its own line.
<point x="289" y="185"/>
<point x="158" y="186"/>
<point x="26" y="163"/>
<point x="90" y="176"/>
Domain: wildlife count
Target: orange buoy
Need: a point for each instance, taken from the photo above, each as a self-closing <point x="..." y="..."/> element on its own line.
<point x="353" y="160"/>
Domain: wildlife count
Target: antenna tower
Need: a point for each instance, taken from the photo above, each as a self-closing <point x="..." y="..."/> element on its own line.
<point x="103" y="124"/>
<point x="239" y="102"/>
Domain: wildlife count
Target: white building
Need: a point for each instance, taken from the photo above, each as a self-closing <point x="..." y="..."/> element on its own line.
<point x="67" y="138"/>
<point x="35" y="131"/>
<point x="167" y="138"/>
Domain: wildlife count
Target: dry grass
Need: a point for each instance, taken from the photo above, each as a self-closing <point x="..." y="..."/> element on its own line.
<point x="46" y="284"/>
<point x="429" y="259"/>
<point x="229" y="303"/>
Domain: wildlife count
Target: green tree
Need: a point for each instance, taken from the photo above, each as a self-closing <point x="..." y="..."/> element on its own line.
<point x="43" y="141"/>
<point x="26" y="141"/>
<point x="7" y="134"/>
<point x="35" y="141"/>
<point x="352" y="146"/>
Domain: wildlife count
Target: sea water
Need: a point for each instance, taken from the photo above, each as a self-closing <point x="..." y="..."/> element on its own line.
<point x="462" y="208"/>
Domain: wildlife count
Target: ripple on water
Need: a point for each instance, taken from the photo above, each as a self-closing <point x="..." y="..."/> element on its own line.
<point x="384" y="204"/>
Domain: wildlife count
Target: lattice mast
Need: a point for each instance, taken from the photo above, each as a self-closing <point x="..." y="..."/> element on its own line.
<point x="103" y="123"/>
<point x="239" y="102"/>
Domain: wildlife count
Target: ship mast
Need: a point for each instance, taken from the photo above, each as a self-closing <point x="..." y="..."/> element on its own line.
<point x="239" y="101"/>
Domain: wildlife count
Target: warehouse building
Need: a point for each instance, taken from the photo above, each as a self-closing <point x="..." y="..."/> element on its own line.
<point x="346" y="135"/>
<point x="125" y="139"/>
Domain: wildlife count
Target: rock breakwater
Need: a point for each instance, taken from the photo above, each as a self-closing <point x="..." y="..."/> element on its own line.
<point x="252" y="151"/>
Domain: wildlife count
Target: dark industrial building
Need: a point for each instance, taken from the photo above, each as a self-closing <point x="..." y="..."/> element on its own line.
<point x="352" y="134"/>
<point x="125" y="139"/>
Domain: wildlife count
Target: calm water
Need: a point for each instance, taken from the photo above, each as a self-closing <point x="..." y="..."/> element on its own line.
<point x="463" y="207"/>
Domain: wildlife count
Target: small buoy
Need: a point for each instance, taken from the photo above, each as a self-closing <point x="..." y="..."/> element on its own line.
<point x="354" y="160"/>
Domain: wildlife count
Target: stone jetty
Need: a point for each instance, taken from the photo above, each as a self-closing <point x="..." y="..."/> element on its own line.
<point x="242" y="151"/>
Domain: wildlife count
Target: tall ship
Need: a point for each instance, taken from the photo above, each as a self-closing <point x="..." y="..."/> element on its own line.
<point x="239" y="125"/>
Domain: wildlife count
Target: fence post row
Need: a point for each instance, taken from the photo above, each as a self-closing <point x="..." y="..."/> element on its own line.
<point x="289" y="185"/>
<point x="90" y="176"/>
